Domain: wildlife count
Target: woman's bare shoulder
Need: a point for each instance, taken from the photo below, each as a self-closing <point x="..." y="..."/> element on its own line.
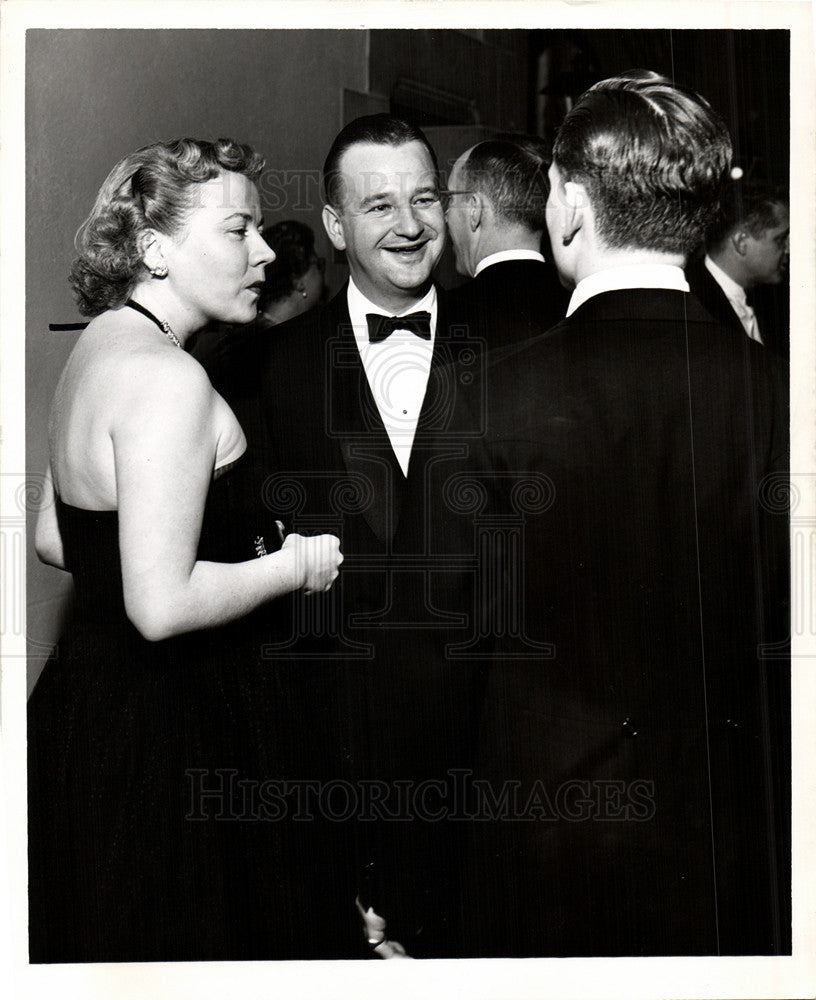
<point x="136" y="388"/>
<point x="150" y="368"/>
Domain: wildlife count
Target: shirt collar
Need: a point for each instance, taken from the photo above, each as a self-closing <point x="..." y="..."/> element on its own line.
<point x="628" y="276"/>
<point x="733" y="291"/>
<point x="501" y="255"/>
<point x="359" y="306"/>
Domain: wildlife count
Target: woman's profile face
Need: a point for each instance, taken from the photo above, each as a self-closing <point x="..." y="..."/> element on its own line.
<point x="216" y="261"/>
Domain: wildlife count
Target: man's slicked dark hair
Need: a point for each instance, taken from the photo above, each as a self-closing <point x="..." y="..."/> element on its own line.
<point x="382" y="129"/>
<point x="512" y="173"/>
<point x="653" y="158"/>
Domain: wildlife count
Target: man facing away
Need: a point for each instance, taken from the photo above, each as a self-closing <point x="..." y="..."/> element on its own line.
<point x="496" y="219"/>
<point x="650" y="745"/>
<point x="747" y="248"/>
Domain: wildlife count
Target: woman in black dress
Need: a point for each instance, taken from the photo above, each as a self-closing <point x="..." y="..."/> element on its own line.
<point x="141" y="696"/>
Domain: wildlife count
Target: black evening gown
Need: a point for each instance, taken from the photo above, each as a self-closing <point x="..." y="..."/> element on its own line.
<point x="147" y="837"/>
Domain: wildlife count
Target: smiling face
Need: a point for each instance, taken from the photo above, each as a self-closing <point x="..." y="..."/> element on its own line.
<point x="390" y="222"/>
<point x="216" y="261"/>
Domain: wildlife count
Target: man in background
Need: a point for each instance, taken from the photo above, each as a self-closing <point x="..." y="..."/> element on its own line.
<point x="496" y="200"/>
<point x="748" y="247"/>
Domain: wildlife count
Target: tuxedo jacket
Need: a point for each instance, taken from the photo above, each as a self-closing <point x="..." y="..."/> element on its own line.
<point x="509" y="301"/>
<point x="653" y="729"/>
<point x="769" y="304"/>
<point x="386" y="700"/>
<point x="321" y="461"/>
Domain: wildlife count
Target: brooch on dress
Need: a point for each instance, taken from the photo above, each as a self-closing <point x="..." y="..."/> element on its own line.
<point x="260" y="543"/>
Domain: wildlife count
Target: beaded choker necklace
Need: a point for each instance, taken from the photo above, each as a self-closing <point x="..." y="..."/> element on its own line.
<point x="163" y="326"/>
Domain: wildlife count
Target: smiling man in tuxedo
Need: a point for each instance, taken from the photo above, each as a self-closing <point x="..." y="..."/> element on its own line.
<point x="336" y="406"/>
<point x="383" y="209"/>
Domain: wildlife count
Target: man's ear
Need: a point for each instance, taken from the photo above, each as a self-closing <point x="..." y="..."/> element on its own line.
<point x="333" y="225"/>
<point x="476" y="210"/>
<point x="739" y="241"/>
<point x="574" y="203"/>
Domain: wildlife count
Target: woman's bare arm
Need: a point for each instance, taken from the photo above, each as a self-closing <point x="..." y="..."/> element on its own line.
<point x="164" y="441"/>
<point x="47" y="538"/>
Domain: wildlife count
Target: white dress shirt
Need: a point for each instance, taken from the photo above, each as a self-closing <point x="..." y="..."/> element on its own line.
<point x="736" y="296"/>
<point x="397" y="369"/>
<point x="501" y="255"/>
<point x="628" y="276"/>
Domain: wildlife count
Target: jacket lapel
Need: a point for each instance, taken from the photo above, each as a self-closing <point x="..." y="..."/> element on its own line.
<point x="353" y="416"/>
<point x="353" y="419"/>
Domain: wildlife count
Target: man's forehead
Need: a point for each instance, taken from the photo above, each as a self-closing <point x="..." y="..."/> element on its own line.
<point x="365" y="158"/>
<point x="779" y="227"/>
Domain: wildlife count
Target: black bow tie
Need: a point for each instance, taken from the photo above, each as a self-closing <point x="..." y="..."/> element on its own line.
<point x="380" y="327"/>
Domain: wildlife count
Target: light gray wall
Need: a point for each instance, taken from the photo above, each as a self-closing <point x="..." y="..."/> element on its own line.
<point x="93" y="96"/>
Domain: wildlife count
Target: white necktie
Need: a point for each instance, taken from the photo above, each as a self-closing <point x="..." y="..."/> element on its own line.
<point x="748" y="319"/>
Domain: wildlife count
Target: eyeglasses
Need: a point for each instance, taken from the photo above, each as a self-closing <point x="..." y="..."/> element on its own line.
<point x="446" y="196"/>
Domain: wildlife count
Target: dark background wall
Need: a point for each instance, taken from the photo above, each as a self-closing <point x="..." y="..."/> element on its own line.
<point x="744" y="74"/>
<point x="93" y="96"/>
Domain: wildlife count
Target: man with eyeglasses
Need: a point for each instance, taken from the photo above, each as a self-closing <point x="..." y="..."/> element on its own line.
<point x="495" y="211"/>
